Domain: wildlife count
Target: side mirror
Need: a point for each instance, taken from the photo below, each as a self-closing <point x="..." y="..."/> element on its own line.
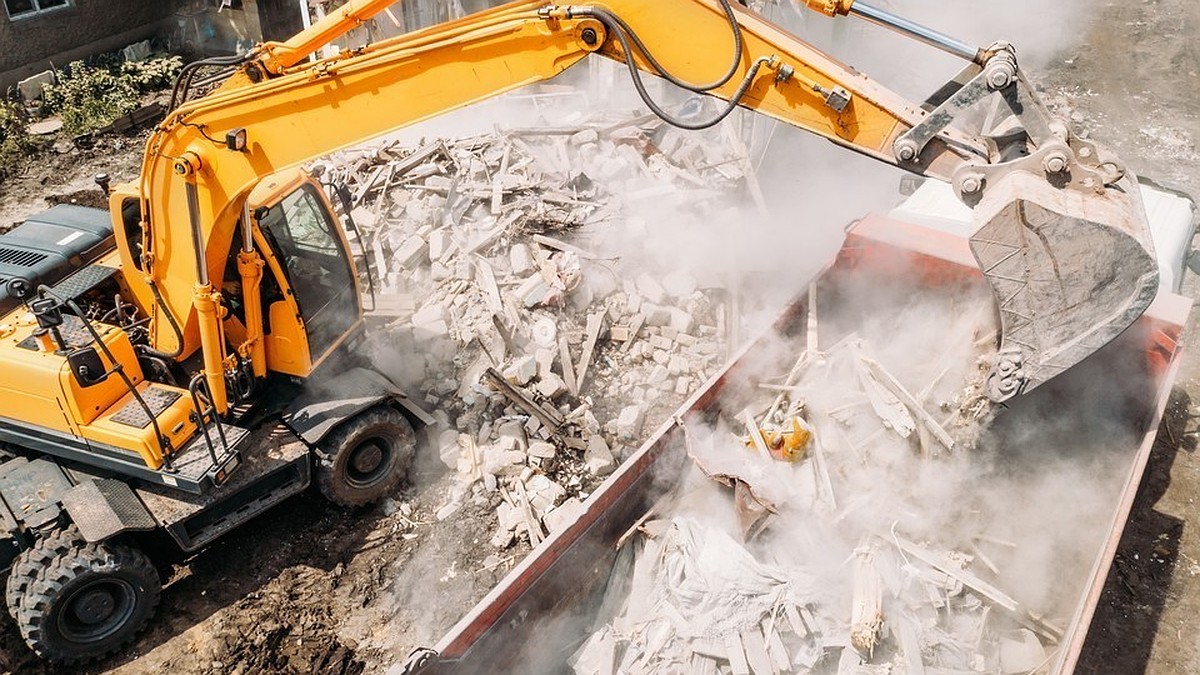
<point x="86" y="366"/>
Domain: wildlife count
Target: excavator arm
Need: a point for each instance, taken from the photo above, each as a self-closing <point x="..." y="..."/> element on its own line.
<point x="280" y="110"/>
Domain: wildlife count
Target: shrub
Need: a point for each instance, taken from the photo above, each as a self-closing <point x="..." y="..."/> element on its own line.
<point x="15" y="142"/>
<point x="90" y="97"/>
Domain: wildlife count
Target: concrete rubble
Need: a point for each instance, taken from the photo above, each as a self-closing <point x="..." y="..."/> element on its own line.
<point x="788" y="546"/>
<point x="508" y="309"/>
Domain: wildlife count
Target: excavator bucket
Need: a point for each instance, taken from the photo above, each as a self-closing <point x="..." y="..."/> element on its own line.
<point x="1070" y="267"/>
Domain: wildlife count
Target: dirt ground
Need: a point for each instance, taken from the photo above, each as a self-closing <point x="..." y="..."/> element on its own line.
<point x="315" y="589"/>
<point x="1134" y="82"/>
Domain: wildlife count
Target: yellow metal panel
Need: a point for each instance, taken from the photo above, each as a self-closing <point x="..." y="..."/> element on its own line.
<point x="140" y="441"/>
<point x="287" y="345"/>
<point x="29" y="379"/>
<point x="85" y="404"/>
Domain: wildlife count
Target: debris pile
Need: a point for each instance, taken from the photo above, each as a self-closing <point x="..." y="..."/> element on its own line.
<point x="830" y="523"/>
<point x="496" y="264"/>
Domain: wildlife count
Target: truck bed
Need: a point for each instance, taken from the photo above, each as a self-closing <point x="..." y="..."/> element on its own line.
<point x="547" y="607"/>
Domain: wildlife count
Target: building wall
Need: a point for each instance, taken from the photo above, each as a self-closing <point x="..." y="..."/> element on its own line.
<point x="32" y="44"/>
<point x="280" y="19"/>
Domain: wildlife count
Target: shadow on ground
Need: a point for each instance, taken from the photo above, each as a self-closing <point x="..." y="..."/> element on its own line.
<point x="1135" y="593"/>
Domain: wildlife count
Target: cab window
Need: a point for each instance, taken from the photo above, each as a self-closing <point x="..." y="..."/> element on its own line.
<point x="316" y="266"/>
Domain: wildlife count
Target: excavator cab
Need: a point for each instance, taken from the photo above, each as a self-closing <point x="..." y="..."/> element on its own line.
<point x="309" y="289"/>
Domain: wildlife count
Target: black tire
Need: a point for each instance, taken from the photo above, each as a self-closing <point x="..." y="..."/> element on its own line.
<point x="32" y="560"/>
<point x="365" y="458"/>
<point x="86" y="601"/>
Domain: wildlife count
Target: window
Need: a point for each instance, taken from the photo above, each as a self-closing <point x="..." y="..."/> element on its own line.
<point x="23" y="8"/>
<point x="316" y="266"/>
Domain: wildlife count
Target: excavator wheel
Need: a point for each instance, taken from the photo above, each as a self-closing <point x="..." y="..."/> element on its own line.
<point x="78" y="601"/>
<point x="26" y="567"/>
<point x="365" y="458"/>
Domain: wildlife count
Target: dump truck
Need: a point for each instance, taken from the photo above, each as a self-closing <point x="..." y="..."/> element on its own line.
<point x="186" y="359"/>
<point x="561" y="597"/>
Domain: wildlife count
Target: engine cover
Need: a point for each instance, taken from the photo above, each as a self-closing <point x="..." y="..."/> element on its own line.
<point x="49" y="246"/>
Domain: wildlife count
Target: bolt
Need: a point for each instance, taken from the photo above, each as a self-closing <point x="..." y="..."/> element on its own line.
<point x="972" y="184"/>
<point x="1055" y="163"/>
<point x="1000" y="72"/>
<point x="1085" y="152"/>
<point x="589" y="37"/>
<point x="906" y="151"/>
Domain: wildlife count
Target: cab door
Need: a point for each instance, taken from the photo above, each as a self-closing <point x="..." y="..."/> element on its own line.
<point x="316" y="264"/>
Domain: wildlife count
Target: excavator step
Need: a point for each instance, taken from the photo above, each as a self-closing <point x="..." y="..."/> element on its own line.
<point x="73" y="331"/>
<point x="84" y="280"/>
<point x="275" y="466"/>
<point x="194" y="464"/>
<point x="157" y="399"/>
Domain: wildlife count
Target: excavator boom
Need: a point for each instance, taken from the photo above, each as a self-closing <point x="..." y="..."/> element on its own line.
<point x="1060" y="234"/>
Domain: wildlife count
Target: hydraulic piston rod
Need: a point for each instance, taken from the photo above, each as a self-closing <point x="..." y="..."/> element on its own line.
<point x="918" y="32"/>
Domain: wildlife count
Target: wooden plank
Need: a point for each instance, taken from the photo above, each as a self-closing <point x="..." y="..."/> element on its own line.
<point x="914" y="664"/>
<point x="736" y="655"/>
<point x="794" y="620"/>
<point x="535" y="528"/>
<point x="419" y="157"/>
<point x="866" y="612"/>
<point x="594" y="323"/>
<point x="821" y="473"/>
<point x="551" y="418"/>
<point x="789" y="384"/>
<point x="983" y="589"/>
<point x="560" y="245"/>
<point x="710" y="648"/>
<point x="755" y="649"/>
<point x="703" y="665"/>
<point x="395" y="21"/>
<point x="888" y="380"/>
<point x="365" y="186"/>
<point x="568" y="370"/>
<point x="634" y="329"/>
<point x="486" y="278"/>
<point x="777" y="651"/>
<point x="497" y="202"/>
<point x="756" y="436"/>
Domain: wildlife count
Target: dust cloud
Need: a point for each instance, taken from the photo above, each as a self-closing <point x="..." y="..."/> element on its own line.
<point x="1030" y="505"/>
<point x="1051" y="498"/>
<point x="1028" y="509"/>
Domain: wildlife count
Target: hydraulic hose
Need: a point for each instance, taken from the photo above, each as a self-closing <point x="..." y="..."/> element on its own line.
<point x="612" y="20"/>
<point x="183" y="83"/>
<point x="162" y="306"/>
<point x="626" y="35"/>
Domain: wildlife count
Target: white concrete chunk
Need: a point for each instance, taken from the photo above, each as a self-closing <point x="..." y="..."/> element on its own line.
<point x="650" y="289"/>
<point x="598" y="458"/>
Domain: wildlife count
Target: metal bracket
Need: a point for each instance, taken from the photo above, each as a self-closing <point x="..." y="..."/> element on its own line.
<point x="1000" y="76"/>
<point x="103" y="508"/>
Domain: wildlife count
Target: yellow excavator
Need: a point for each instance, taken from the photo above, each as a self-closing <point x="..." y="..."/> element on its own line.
<point x="187" y="359"/>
